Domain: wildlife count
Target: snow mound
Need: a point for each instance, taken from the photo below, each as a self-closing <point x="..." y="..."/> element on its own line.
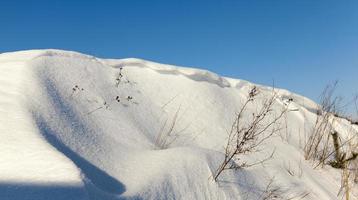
<point x="78" y="127"/>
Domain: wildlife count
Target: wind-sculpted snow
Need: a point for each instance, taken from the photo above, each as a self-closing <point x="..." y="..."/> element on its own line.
<point x="203" y="75"/>
<point x="82" y="127"/>
<point x="191" y="73"/>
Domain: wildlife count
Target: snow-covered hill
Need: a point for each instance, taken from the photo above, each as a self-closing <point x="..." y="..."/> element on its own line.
<point x="78" y="127"/>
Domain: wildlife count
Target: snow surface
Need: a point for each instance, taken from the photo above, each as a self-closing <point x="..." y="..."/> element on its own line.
<point x="65" y="136"/>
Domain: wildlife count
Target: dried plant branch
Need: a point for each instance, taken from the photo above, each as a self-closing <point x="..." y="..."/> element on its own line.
<point x="246" y="138"/>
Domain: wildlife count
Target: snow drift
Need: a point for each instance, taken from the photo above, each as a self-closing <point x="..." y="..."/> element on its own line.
<point x="78" y="127"/>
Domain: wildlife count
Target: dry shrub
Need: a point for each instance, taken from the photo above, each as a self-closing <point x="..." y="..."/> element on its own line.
<point x="247" y="137"/>
<point x="325" y="145"/>
<point x="317" y="145"/>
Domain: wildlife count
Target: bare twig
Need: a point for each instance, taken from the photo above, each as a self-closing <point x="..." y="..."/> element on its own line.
<point x="245" y="138"/>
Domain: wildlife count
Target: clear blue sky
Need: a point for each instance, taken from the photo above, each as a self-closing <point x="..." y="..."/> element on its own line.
<point x="300" y="44"/>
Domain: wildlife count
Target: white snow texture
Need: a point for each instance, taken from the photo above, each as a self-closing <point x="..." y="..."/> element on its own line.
<point x="75" y="126"/>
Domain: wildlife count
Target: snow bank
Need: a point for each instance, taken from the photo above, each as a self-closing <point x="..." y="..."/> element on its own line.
<point x="86" y="128"/>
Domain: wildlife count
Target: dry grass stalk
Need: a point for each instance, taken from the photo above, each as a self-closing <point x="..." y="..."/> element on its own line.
<point x="317" y="145"/>
<point x="166" y="135"/>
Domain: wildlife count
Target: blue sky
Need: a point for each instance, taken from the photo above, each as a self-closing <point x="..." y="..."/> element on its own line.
<point x="301" y="45"/>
